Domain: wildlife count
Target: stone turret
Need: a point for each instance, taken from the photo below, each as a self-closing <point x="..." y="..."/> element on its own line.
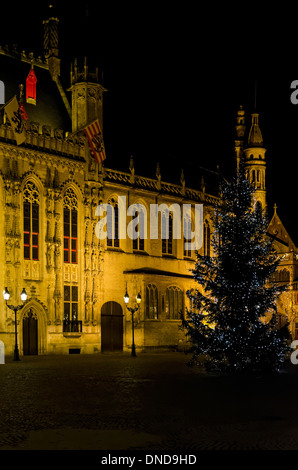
<point x="87" y="96"/>
<point x="255" y="163"/>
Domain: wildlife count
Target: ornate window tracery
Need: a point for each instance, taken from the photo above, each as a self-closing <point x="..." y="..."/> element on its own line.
<point x="174" y="302"/>
<point x="70" y="227"/>
<point x="113" y="225"/>
<point x="138" y="242"/>
<point x="167" y="235"/>
<point x="187" y="236"/>
<point x="151" y="306"/>
<point x="31" y="221"/>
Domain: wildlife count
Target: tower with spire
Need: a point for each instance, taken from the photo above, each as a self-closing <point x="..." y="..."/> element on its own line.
<point x="254" y="160"/>
<point x="252" y="155"/>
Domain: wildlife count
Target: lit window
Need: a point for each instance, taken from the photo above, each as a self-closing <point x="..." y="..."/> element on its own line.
<point x="113" y="238"/>
<point x="70" y="227"/>
<point x="187" y="236"/>
<point x="167" y="236"/>
<point x="174" y="302"/>
<point x="138" y="243"/>
<point x="70" y="320"/>
<point x="31" y="221"/>
<point x="151" y="303"/>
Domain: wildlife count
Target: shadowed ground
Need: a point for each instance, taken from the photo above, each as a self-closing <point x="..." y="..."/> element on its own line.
<point x="151" y="402"/>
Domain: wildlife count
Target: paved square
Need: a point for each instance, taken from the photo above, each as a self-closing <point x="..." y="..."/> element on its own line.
<point x="151" y="402"/>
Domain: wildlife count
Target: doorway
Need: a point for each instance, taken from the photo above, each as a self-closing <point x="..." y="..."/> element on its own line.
<point x="30" y="333"/>
<point x="111" y="327"/>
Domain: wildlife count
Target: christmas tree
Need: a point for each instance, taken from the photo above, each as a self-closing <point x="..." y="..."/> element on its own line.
<point x="232" y="319"/>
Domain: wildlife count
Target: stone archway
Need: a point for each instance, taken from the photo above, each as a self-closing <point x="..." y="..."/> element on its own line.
<point x="111" y="327"/>
<point x="30" y="333"/>
<point x="33" y="329"/>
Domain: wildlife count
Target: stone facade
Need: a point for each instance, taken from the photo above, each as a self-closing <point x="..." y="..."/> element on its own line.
<point x="49" y="181"/>
<point x="50" y="188"/>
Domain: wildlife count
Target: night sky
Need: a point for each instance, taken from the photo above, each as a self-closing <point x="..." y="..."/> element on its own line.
<point x="176" y="75"/>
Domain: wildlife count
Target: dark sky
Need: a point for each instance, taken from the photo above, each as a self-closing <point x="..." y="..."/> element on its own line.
<point x="176" y="75"/>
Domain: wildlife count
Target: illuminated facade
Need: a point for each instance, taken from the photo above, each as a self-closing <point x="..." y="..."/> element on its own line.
<point x="50" y="187"/>
<point x="253" y="153"/>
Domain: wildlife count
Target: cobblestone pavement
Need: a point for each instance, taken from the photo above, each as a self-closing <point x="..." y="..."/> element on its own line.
<point x="151" y="402"/>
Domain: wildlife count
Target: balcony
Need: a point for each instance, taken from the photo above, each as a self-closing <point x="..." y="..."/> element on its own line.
<point x="72" y="326"/>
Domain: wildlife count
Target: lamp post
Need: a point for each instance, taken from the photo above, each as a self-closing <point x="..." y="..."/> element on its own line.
<point x="132" y="310"/>
<point x="6" y="296"/>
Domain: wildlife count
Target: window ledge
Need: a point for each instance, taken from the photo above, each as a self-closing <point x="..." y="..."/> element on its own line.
<point x="140" y="252"/>
<point x="115" y="248"/>
<point x="72" y="335"/>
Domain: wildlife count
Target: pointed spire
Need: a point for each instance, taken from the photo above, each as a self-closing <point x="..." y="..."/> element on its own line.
<point x="158" y="174"/>
<point x="50" y="33"/>
<point x="132" y="170"/>
<point x="158" y="177"/>
<point x="203" y="186"/>
<point x="182" y="177"/>
<point x="51" y="42"/>
<point x="255" y="138"/>
<point x="131" y="164"/>
<point x="182" y="181"/>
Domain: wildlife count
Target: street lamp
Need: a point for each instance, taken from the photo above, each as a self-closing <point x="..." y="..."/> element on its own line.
<point x="132" y="310"/>
<point x="6" y="296"/>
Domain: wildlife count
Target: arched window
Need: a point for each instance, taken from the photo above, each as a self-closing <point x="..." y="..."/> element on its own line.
<point x="263" y="179"/>
<point x="71" y="323"/>
<point x="139" y="242"/>
<point x="70" y="227"/>
<point x="253" y="176"/>
<point x="187" y="235"/>
<point x="31" y="221"/>
<point x="174" y="302"/>
<point x="167" y="236"/>
<point x="207" y="238"/>
<point x="113" y="238"/>
<point x="151" y="305"/>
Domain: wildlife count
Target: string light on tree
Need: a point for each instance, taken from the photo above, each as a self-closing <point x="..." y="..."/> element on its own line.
<point x="232" y="319"/>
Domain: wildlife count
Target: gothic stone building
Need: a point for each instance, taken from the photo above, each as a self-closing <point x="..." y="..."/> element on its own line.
<point x="50" y="187"/>
<point x="253" y="154"/>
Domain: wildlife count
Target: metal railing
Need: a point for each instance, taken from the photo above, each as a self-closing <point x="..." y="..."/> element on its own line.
<point x="72" y="326"/>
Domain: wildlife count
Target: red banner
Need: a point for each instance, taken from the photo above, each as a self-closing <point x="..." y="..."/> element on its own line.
<point x="94" y="135"/>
